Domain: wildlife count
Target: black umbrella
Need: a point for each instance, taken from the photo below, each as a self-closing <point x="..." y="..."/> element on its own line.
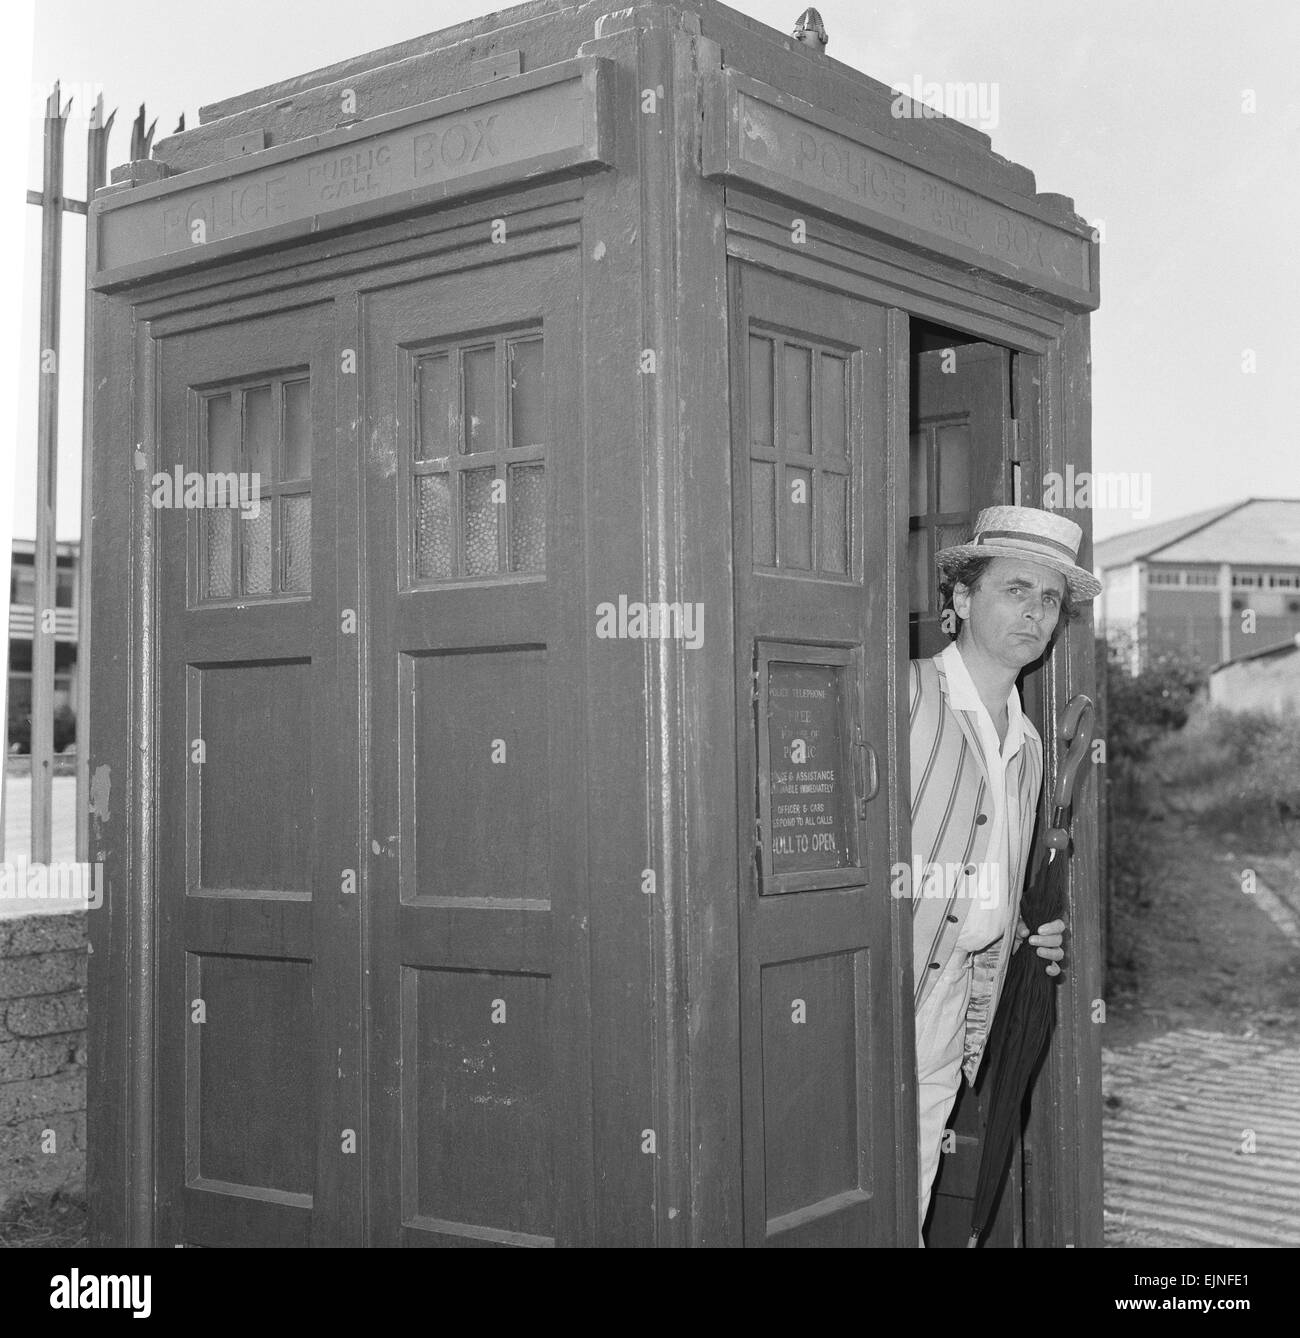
<point x="1026" y="1010"/>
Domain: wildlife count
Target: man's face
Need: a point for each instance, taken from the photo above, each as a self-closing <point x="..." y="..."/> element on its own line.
<point x="1011" y="614"/>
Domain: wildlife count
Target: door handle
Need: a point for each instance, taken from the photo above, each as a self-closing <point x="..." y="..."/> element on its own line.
<point x="866" y="773"/>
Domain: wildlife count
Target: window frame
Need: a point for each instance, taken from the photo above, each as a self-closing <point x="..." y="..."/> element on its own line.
<point x="817" y="461"/>
<point x="271" y="492"/>
<point x="503" y="457"/>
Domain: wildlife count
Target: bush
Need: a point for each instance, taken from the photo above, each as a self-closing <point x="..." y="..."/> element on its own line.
<point x="65" y="727"/>
<point x="65" y="730"/>
<point x="1236" y="773"/>
<point x="1144" y="708"/>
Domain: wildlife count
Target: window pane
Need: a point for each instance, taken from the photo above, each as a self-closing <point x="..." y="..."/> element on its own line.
<point x="433" y="408"/>
<point x="527" y="393"/>
<point x="23" y="585"/>
<point x="223" y="435"/>
<point x="295" y="543"/>
<point x="478" y="366"/>
<point x="797" y="386"/>
<point x="297" y="430"/>
<point x="834" y="523"/>
<point x="219" y="528"/>
<point x="834" y="440"/>
<point x="919" y="470"/>
<point x="949" y="536"/>
<point x="760" y="391"/>
<point x="762" y="485"/>
<point x="527" y="518"/>
<point x="255" y="551"/>
<point x="796" y="531"/>
<point x="259" y="433"/>
<point x="918" y="556"/>
<point x="480" y="523"/>
<point x="954" y="468"/>
<point x="433" y="526"/>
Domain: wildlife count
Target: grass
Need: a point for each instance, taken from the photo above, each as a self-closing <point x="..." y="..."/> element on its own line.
<point x="54" y="1221"/>
<point x="1232" y="778"/>
<point x="1235" y="774"/>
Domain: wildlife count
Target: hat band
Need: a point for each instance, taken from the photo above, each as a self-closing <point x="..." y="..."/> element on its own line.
<point x="1023" y="536"/>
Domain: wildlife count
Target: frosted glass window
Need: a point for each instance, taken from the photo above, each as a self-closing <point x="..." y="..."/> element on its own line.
<point x="527" y="518"/>
<point x="478" y="497"/>
<point x="261" y="434"/>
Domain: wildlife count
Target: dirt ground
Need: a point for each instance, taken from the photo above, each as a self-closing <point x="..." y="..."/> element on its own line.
<point x="1192" y="949"/>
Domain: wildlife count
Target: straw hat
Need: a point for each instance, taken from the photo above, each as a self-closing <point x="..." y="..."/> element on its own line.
<point x="1026" y="532"/>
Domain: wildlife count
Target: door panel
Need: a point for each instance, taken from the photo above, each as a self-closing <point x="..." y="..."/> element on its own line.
<point x="962" y="442"/>
<point x="480" y="1088"/>
<point x="246" y="801"/>
<point x="810" y="457"/>
<point x="960" y="462"/>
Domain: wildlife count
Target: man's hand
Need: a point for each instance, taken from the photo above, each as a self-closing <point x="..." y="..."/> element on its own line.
<point x="1047" y="941"/>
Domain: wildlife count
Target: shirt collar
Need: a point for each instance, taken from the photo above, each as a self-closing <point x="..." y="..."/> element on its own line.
<point x="963" y="695"/>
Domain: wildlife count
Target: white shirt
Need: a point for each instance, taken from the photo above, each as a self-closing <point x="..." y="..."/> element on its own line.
<point x="986" y="918"/>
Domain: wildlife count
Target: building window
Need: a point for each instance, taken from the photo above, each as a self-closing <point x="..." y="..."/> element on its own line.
<point x="478" y="459"/>
<point x="22" y="583"/>
<point x="1248" y="579"/>
<point x="1165" y="576"/>
<point x="799" y="455"/>
<point x="256" y="448"/>
<point x="1203" y="579"/>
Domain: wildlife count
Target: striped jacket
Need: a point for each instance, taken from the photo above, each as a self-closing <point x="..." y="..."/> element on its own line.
<point x="950" y="791"/>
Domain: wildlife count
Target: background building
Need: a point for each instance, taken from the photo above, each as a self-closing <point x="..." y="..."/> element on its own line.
<point x="1267" y="679"/>
<point x="22" y="593"/>
<point x="1217" y="584"/>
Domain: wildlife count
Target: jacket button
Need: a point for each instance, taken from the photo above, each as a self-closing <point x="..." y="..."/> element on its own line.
<point x="952" y="919"/>
<point x="934" y="966"/>
<point x="970" y="871"/>
<point x="982" y="819"/>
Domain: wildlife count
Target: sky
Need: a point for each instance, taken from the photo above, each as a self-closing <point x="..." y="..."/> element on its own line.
<point x="1175" y="127"/>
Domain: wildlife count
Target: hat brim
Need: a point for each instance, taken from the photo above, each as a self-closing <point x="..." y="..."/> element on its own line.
<point x="1083" y="585"/>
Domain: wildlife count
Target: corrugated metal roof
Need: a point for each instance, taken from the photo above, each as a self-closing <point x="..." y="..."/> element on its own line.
<point x="1259" y="531"/>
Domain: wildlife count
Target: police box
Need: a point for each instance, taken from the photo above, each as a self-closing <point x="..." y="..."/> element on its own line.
<point x="497" y="774"/>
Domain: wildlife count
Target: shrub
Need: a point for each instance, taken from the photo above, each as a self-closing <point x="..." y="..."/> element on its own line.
<point x="1142" y="708"/>
<point x="1238" y="773"/>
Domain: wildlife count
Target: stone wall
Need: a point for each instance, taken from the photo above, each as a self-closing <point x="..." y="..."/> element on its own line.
<point x="42" y="1053"/>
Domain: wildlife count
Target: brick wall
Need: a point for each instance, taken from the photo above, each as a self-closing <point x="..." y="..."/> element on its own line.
<point x="42" y="1053"/>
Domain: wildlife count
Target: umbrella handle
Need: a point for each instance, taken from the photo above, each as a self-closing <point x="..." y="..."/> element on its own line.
<point x="1076" y="726"/>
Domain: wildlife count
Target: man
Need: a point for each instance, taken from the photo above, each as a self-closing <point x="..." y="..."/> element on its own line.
<point x="976" y="770"/>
